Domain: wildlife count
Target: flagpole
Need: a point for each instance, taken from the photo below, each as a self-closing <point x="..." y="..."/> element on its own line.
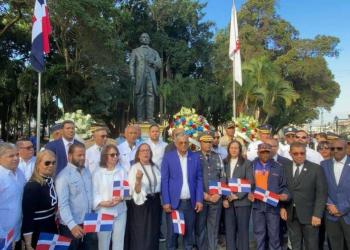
<point x="38" y="114"/>
<point x="233" y="92"/>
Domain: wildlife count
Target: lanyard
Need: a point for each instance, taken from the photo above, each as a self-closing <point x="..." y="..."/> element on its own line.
<point x="149" y="180"/>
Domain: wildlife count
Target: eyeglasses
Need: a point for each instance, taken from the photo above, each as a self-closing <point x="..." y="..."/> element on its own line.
<point x="298" y="153"/>
<point x="48" y="163"/>
<point x="103" y="136"/>
<point x="324" y="148"/>
<point x="290" y="136"/>
<point x="113" y="155"/>
<point x="264" y="152"/>
<point x="27" y="148"/>
<point x="145" y="150"/>
<point x="301" y="137"/>
<point x="337" y="148"/>
<point x="183" y="142"/>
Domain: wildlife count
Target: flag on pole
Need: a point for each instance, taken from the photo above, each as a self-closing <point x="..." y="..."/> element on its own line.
<point x="94" y="222"/>
<point x="217" y="187"/>
<point x="121" y="189"/>
<point x="6" y="243"/>
<point x="234" y="51"/>
<point x="238" y="185"/>
<point x="48" y="241"/>
<point x="40" y="35"/>
<point x="178" y="219"/>
<point x="266" y="196"/>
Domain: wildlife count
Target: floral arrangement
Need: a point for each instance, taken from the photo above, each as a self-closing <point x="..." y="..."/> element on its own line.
<point x="246" y="127"/>
<point x="82" y="123"/>
<point x="192" y="123"/>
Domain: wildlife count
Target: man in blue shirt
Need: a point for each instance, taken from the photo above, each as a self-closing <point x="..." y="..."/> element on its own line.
<point x="74" y="191"/>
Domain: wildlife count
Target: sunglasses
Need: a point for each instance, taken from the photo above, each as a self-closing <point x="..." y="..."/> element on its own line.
<point x="103" y="136"/>
<point x="298" y="153"/>
<point x="27" y="148"/>
<point x="48" y="163"/>
<point x="113" y="155"/>
<point x="264" y="152"/>
<point x="216" y="137"/>
<point x="301" y="137"/>
<point x="290" y="136"/>
<point x="337" y="148"/>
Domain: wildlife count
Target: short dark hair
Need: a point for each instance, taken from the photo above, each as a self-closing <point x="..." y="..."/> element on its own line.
<point x="297" y="145"/>
<point x="153" y="125"/>
<point x="104" y="154"/>
<point x="137" y="155"/>
<point x="322" y="144"/>
<point x="240" y="156"/>
<point x="67" y="122"/>
<point x="75" y="146"/>
<point x="322" y="135"/>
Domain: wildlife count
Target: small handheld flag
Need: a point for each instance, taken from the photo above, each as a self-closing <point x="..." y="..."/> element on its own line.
<point x="266" y="196"/>
<point x="6" y="244"/>
<point x="121" y="189"/>
<point x="48" y="241"/>
<point x="178" y="222"/>
<point x="94" y="222"/>
<point x="220" y="188"/>
<point x="238" y="185"/>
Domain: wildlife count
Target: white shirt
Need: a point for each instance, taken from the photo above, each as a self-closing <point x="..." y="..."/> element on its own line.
<point x="157" y="151"/>
<point x="221" y="151"/>
<point x="127" y="154"/>
<point x="27" y="167"/>
<point x="295" y="168"/>
<point x="11" y="193"/>
<point x="338" y="168"/>
<point x="93" y="157"/>
<point x="252" y="151"/>
<point x="233" y="163"/>
<point x="67" y="144"/>
<point x="102" y="189"/>
<point x="311" y="155"/>
<point x="283" y="148"/>
<point x="185" y="190"/>
<point x="140" y="198"/>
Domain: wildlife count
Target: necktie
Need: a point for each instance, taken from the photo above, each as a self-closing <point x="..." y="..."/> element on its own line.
<point x="297" y="171"/>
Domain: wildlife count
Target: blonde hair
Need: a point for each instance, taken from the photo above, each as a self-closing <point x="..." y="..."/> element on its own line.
<point x="39" y="158"/>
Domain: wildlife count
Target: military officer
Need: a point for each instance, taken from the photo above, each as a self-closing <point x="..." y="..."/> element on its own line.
<point x="264" y="133"/>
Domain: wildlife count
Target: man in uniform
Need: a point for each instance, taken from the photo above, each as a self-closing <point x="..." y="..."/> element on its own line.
<point x="222" y="151"/>
<point x="289" y="137"/>
<point x="229" y="136"/>
<point x="264" y="133"/>
<point x="207" y="221"/>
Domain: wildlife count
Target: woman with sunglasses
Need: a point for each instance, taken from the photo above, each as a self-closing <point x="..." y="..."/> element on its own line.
<point x="105" y="202"/>
<point x="144" y="208"/>
<point x="324" y="149"/>
<point x="39" y="202"/>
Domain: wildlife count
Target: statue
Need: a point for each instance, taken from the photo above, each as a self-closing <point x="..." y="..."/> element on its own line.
<point x="144" y="62"/>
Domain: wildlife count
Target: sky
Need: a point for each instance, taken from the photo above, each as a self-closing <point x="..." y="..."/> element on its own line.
<point x="310" y="18"/>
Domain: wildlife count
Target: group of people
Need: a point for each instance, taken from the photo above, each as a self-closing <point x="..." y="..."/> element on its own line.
<point x="54" y="190"/>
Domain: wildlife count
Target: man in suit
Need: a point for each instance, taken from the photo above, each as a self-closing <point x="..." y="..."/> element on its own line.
<point x="61" y="146"/>
<point x="144" y="62"/>
<point x="307" y="185"/>
<point x="337" y="172"/>
<point x="182" y="189"/>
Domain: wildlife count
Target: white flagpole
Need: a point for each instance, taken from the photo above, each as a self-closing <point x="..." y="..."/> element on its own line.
<point x="38" y="114"/>
<point x="233" y="92"/>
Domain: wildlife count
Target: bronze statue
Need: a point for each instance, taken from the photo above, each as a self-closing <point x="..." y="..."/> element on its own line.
<point x="144" y="62"/>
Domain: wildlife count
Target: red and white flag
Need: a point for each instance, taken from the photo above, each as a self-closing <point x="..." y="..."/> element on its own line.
<point x="234" y="51"/>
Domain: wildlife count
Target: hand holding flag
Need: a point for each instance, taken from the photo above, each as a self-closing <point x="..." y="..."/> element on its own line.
<point x="221" y="188"/>
<point x="266" y="196"/>
<point x="6" y="244"/>
<point x="94" y="222"/>
<point x="178" y="219"/>
<point x="52" y="242"/>
<point x="121" y="189"/>
<point x="238" y="185"/>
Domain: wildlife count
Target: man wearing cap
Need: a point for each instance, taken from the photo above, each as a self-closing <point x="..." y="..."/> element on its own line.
<point x="289" y="137"/>
<point x="56" y="131"/>
<point x="268" y="175"/>
<point x="264" y="132"/>
<point x="217" y="148"/>
<point x="307" y="185"/>
<point x="303" y="137"/>
<point x="207" y="221"/>
<point x="93" y="153"/>
<point x="230" y="134"/>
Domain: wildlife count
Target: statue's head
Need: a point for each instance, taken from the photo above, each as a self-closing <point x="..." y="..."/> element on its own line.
<point x="145" y="39"/>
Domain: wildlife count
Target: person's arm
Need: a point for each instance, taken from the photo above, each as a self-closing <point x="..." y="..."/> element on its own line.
<point x="62" y="190"/>
<point x="199" y="182"/>
<point x="165" y="181"/>
<point x="137" y="190"/>
<point x="320" y="193"/>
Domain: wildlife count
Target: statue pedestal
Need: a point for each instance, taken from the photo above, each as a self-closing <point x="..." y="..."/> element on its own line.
<point x="145" y="129"/>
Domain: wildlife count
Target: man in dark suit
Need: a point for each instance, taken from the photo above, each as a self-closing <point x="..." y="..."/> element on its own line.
<point x="307" y="185"/>
<point x="337" y="172"/>
<point x="182" y="189"/>
<point x="60" y="147"/>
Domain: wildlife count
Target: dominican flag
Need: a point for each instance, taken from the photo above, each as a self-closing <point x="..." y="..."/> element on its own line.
<point x="238" y="185"/>
<point x="235" y="47"/>
<point x="6" y="244"/>
<point x="121" y="188"/>
<point x="178" y="222"/>
<point x="52" y="242"/>
<point x="266" y="196"/>
<point x="40" y="35"/>
<point x="94" y="222"/>
<point x="217" y="187"/>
